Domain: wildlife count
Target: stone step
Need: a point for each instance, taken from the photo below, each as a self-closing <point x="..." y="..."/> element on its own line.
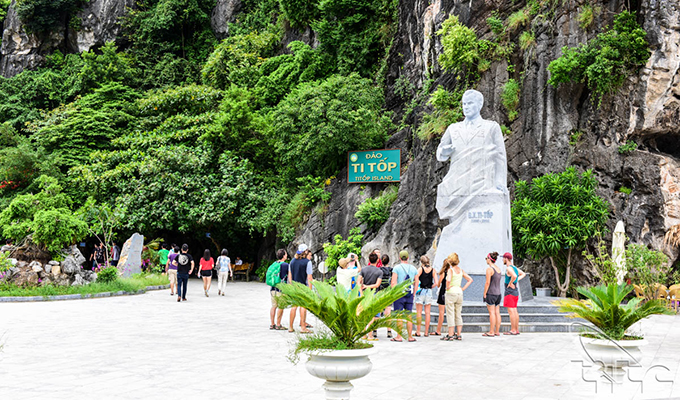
<point x="522" y="309"/>
<point x="484" y="317"/>
<point x="480" y="328"/>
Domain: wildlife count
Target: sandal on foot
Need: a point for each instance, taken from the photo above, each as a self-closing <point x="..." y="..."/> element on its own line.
<point x="487" y="334"/>
<point x="449" y="338"/>
<point x="411" y="340"/>
<point x="435" y="333"/>
<point x="272" y="327"/>
<point x="280" y="328"/>
<point x="427" y="335"/>
<point x="458" y="337"/>
<point x="396" y="340"/>
<point x="416" y="334"/>
<point x="445" y="337"/>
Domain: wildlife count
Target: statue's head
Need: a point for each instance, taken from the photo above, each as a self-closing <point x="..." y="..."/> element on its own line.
<point x="472" y="103"/>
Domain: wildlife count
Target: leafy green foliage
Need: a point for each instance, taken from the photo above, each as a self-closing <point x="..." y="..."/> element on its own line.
<point x="356" y="33"/>
<point x="341" y="247"/>
<point x="107" y="275"/>
<point x="495" y="24"/>
<point x="237" y="59"/>
<point x="300" y="13"/>
<point x="555" y="214"/>
<point x="628" y="147"/>
<point x="460" y="45"/>
<point x="315" y="126"/>
<point x="603" y="263"/>
<point x="376" y="211"/>
<point x="447" y="110"/>
<point x="575" y="137"/>
<point x="42" y="16"/>
<point x="311" y="191"/>
<point x="604" y="62"/>
<point x="45" y="215"/>
<point x="510" y="98"/>
<point x="347" y="315"/>
<point x="625" y="190"/>
<point x="605" y="309"/>
<point x="587" y="15"/>
<point x="517" y="19"/>
<point x="4" y="6"/>
<point x="647" y="268"/>
<point x="527" y="39"/>
<point x="132" y="285"/>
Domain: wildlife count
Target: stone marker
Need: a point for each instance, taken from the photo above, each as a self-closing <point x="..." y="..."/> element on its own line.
<point x="130" y="261"/>
<point x="473" y="196"/>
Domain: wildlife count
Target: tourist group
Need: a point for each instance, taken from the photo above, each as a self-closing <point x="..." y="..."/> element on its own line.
<point x="179" y="265"/>
<point x="444" y="288"/>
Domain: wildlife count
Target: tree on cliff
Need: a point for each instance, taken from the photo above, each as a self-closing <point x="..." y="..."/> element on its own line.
<point x="555" y="215"/>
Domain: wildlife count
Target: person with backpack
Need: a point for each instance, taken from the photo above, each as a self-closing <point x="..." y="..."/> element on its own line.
<point x="426" y="278"/>
<point x="400" y="273"/>
<point x="511" y="296"/>
<point x="223" y="266"/>
<point x="277" y="273"/>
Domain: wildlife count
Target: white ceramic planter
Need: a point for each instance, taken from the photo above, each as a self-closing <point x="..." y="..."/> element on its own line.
<point x="338" y="367"/>
<point x="613" y="355"/>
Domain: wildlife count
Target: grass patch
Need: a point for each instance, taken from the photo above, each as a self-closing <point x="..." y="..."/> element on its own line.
<point x="132" y="284"/>
<point x="587" y="15"/>
<point x="510" y="98"/>
<point x="526" y="40"/>
<point x="517" y="19"/>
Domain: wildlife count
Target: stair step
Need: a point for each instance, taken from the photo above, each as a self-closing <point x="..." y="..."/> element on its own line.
<point x="505" y="327"/>
<point x="506" y="318"/>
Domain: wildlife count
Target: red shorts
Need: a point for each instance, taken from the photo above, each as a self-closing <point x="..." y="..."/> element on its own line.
<point x="510" y="301"/>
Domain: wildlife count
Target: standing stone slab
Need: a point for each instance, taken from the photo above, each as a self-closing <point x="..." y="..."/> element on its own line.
<point x="131" y="256"/>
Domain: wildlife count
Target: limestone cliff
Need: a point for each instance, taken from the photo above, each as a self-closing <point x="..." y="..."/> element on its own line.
<point x="645" y="110"/>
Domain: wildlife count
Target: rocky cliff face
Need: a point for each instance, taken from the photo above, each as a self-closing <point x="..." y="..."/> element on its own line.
<point x="100" y="23"/>
<point x="644" y="110"/>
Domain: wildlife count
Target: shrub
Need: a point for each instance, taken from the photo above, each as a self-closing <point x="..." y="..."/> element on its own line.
<point x="107" y="275"/>
<point x="187" y="100"/>
<point x="300" y="13"/>
<point x="526" y="40"/>
<point x="506" y="131"/>
<point x="341" y="247"/>
<point x="375" y="211"/>
<point x="556" y="215"/>
<point x="495" y="24"/>
<point x="315" y="126"/>
<point x="42" y="16"/>
<point x="517" y="19"/>
<point x="510" y="98"/>
<point x="604" y="62"/>
<point x="647" y="269"/>
<point x="587" y="15"/>
<point x="628" y="147"/>
<point x="625" y="190"/>
<point x="447" y="110"/>
<point x="460" y="45"/>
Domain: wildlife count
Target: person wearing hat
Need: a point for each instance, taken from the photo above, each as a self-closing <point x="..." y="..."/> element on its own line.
<point x="301" y="272"/>
<point x="511" y="295"/>
<point x="348" y="272"/>
<point x="400" y="273"/>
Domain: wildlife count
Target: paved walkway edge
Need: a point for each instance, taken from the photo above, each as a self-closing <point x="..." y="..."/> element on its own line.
<point x="79" y="296"/>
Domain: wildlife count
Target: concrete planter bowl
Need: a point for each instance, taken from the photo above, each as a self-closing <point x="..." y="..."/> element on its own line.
<point x="338" y="368"/>
<point x="612" y="355"/>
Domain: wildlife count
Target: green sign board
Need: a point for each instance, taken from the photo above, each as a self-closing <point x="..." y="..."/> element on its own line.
<point x="374" y="166"/>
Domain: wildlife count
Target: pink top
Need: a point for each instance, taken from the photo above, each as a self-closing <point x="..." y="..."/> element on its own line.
<point x="207" y="265"/>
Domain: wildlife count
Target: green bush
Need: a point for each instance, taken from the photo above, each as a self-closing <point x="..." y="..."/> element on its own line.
<point x="376" y="211"/>
<point x="315" y="126"/>
<point x="526" y="40"/>
<point x="510" y="98"/>
<point x="45" y="215"/>
<point x="647" y="268"/>
<point x="604" y="62"/>
<point x="587" y="15"/>
<point x="460" y="45"/>
<point x="107" y="275"/>
<point x="341" y="247"/>
<point x="517" y="19"/>
<point x="447" y="110"/>
<point x="554" y="216"/>
<point x="300" y="13"/>
<point x="625" y="190"/>
<point x="628" y="147"/>
<point x="495" y="24"/>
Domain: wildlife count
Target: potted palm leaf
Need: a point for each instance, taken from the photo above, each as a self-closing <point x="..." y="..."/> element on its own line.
<point x="610" y="345"/>
<point x="338" y="353"/>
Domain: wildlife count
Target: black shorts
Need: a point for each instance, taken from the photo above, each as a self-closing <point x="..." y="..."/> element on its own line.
<point x="493" y="299"/>
<point x="441" y="298"/>
<point x="206" y="273"/>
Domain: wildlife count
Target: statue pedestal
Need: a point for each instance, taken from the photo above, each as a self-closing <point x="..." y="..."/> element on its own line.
<point x="481" y="226"/>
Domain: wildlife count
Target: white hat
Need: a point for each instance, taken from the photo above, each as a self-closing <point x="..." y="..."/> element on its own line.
<point x="301" y="248"/>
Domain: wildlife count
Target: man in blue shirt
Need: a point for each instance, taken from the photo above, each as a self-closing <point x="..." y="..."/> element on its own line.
<point x="400" y="273"/>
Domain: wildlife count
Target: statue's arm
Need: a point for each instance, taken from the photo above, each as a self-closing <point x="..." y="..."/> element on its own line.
<point x="445" y="148"/>
<point x="501" y="160"/>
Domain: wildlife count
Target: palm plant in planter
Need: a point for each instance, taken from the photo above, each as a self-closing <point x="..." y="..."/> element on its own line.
<point x="339" y="355"/>
<point x="609" y="344"/>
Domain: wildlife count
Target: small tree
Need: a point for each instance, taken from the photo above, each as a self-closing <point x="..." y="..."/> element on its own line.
<point x="102" y="222"/>
<point x="555" y="215"/>
<point x="647" y="268"/>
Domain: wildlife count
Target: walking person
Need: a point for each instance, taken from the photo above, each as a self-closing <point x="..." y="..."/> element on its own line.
<point x="400" y="273"/>
<point x="371" y="278"/>
<point x="163" y="255"/>
<point x="94" y="257"/>
<point x="426" y="278"/>
<point x="454" y="296"/>
<point x="185" y="266"/>
<point x="223" y="271"/>
<point x="511" y="296"/>
<point x="492" y="295"/>
<point x="171" y="270"/>
<point x="207" y="264"/>
<point x="301" y="272"/>
<point x="115" y="254"/>
<point x="274" y="292"/>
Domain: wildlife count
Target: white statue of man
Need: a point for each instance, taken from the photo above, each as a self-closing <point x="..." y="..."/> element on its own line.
<point x="473" y="195"/>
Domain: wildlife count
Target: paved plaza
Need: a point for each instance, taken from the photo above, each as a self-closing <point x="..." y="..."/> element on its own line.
<point x="151" y="347"/>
